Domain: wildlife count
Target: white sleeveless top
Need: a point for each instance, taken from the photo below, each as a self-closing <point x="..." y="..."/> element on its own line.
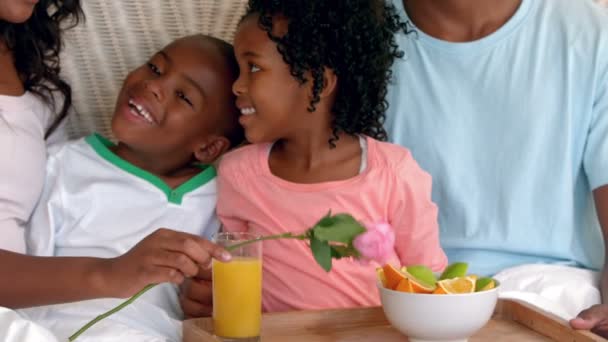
<point x="23" y="121"/>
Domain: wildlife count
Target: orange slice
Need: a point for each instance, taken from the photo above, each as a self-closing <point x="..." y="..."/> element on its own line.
<point x="405" y="286"/>
<point x="380" y="275"/>
<point x="457" y="285"/>
<point x="420" y="288"/>
<point x="408" y="285"/>
<point x="439" y="290"/>
<point x="392" y="275"/>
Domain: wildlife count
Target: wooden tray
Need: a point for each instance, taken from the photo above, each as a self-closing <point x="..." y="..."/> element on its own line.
<point x="512" y="321"/>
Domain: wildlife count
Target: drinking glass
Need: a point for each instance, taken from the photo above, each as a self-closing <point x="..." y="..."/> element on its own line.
<point x="237" y="289"/>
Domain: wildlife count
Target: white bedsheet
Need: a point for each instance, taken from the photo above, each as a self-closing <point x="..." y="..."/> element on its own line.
<point x="138" y="322"/>
<point x="14" y="328"/>
<point x="17" y="327"/>
<point x="562" y="290"/>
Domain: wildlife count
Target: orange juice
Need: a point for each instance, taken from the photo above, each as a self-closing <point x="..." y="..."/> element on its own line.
<point x="237" y="297"/>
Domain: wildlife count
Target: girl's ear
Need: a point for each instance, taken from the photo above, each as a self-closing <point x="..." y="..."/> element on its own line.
<point x="330" y="82"/>
<point x="207" y="152"/>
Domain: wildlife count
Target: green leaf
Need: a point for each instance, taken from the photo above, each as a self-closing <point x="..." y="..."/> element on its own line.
<point x="322" y="253"/>
<point x="325" y="221"/>
<point x="338" y="228"/>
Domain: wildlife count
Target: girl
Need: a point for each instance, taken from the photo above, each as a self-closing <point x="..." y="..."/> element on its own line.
<point x="312" y="92"/>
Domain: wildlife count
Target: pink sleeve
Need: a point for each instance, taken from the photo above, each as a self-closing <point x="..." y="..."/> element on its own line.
<point x="230" y="201"/>
<point x="414" y="218"/>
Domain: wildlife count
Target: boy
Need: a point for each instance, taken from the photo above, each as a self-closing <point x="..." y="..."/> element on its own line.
<point x="173" y="117"/>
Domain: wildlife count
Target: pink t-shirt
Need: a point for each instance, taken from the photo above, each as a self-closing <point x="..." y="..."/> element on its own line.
<point x="392" y="187"/>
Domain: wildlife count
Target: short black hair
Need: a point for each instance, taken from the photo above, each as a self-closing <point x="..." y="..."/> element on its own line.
<point x="354" y="38"/>
<point x="229" y="124"/>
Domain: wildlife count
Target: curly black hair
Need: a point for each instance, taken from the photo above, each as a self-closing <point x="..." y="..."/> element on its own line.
<point x="354" y="38"/>
<point x="36" y="45"/>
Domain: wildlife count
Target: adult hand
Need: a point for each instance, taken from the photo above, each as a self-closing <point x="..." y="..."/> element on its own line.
<point x="594" y="318"/>
<point x="196" y="295"/>
<point x="163" y="256"/>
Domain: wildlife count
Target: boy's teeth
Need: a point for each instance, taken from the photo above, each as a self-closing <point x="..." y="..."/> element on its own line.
<point x="141" y="111"/>
<point x="247" y="111"/>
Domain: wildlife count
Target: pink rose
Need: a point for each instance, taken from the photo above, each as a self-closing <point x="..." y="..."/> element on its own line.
<point x="377" y="243"/>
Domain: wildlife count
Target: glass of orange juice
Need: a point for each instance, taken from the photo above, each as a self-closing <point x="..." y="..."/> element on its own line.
<point x="237" y="290"/>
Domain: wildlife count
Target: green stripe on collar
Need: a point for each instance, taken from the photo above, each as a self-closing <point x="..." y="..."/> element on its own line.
<point x="102" y="145"/>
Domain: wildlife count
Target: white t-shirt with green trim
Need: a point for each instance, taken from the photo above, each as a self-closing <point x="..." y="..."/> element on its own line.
<point x="96" y="204"/>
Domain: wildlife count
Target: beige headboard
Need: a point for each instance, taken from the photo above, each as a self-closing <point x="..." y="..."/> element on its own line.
<point x="119" y="35"/>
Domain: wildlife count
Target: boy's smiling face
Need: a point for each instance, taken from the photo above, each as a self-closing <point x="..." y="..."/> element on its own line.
<point x="174" y="104"/>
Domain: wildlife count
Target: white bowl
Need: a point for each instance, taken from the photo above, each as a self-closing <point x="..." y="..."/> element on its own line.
<point x="429" y="317"/>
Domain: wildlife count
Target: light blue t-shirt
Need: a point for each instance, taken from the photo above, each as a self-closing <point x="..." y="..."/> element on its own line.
<point x="514" y="130"/>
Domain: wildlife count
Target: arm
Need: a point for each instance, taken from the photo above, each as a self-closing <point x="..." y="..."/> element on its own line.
<point x="163" y="256"/>
<point x="48" y="280"/>
<point x="595" y="162"/>
<point x="601" y="205"/>
<point x="595" y="318"/>
<point x="415" y="219"/>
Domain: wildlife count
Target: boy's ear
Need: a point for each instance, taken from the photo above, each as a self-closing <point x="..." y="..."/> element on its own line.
<point x="208" y="151"/>
<point x="330" y="82"/>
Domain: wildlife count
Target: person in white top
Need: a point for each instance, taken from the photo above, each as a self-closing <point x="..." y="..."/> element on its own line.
<point x="26" y="120"/>
<point x="29" y="115"/>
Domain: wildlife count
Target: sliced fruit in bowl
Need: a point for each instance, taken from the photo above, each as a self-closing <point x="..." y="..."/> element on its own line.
<point x="421" y="279"/>
<point x="454" y="270"/>
<point x="450" y="306"/>
<point x="457" y="285"/>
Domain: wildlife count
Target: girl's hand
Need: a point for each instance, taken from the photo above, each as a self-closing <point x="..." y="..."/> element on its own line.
<point x="163" y="256"/>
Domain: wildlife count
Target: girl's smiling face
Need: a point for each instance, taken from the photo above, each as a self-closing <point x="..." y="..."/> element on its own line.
<point x="272" y="102"/>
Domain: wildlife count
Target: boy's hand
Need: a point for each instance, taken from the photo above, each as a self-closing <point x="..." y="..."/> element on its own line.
<point x="163" y="256"/>
<point x="594" y="318"/>
<point x="196" y="295"/>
